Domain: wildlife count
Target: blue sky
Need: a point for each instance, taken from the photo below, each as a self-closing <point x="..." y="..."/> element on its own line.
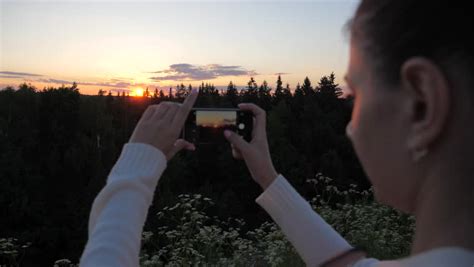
<point x="130" y="45"/>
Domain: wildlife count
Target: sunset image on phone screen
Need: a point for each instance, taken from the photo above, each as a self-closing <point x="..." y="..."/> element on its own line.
<point x="211" y="124"/>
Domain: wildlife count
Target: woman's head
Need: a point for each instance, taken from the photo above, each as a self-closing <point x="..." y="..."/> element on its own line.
<point x="411" y="70"/>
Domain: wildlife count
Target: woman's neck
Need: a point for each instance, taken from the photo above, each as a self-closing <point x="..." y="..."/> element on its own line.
<point x="444" y="212"/>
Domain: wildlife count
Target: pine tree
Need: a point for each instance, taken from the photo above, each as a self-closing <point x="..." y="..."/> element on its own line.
<point x="231" y="94"/>
<point x="180" y="91"/>
<point x="287" y="93"/>
<point x="298" y="91"/>
<point x="201" y="88"/>
<point x="307" y="88"/>
<point x="328" y="86"/>
<point x="264" y="97"/>
<point x="109" y="98"/>
<point x="298" y="101"/>
<point x="251" y="94"/>
<point x="190" y="89"/>
<point x="329" y="93"/>
<point x="278" y="95"/>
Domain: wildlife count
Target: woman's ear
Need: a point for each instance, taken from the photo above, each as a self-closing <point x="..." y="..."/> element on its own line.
<point x="429" y="101"/>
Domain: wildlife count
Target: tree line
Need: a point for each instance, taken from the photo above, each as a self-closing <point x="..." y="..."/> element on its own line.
<point x="58" y="146"/>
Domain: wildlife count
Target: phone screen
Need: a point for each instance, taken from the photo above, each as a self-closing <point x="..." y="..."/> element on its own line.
<point x="211" y="124"/>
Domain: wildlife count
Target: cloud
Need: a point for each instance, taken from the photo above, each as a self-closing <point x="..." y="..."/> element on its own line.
<point x="118" y="84"/>
<point x="10" y="77"/>
<point x="53" y="81"/>
<point x="120" y="90"/>
<point x="105" y="84"/>
<point x="189" y="72"/>
<point x="119" y="79"/>
<point x="108" y="84"/>
<point x="16" y="75"/>
<point x="282" y="73"/>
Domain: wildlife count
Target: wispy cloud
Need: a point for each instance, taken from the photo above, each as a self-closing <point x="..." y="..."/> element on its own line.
<point x="17" y="75"/>
<point x="10" y="77"/>
<point x="120" y="90"/>
<point x="53" y="81"/>
<point x="108" y="84"/>
<point x="116" y="84"/>
<point x="189" y="72"/>
<point x="282" y="73"/>
<point x="120" y="79"/>
<point x="104" y="84"/>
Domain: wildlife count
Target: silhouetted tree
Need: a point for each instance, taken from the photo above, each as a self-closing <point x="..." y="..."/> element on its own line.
<point x="327" y="86"/>
<point x="307" y="88"/>
<point x="180" y="91"/>
<point x="250" y="94"/>
<point x="264" y="96"/>
<point x="57" y="147"/>
<point x="231" y="94"/>
<point x="287" y="94"/>
<point x="278" y="95"/>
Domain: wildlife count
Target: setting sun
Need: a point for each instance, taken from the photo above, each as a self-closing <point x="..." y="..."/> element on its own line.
<point x="138" y="92"/>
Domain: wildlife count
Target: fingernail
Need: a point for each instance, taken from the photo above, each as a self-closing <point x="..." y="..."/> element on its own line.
<point x="226" y="133"/>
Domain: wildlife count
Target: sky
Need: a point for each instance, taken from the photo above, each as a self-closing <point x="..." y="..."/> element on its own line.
<point x="124" y="45"/>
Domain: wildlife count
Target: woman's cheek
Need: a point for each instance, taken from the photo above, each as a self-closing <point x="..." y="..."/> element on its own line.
<point x="356" y="132"/>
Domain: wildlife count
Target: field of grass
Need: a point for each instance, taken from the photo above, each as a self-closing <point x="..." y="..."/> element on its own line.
<point x="189" y="237"/>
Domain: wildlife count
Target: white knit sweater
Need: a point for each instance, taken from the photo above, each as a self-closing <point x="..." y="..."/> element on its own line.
<point x="120" y="209"/>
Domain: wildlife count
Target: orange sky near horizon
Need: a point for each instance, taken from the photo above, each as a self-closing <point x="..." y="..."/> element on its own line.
<point x="125" y="46"/>
<point x="215" y="119"/>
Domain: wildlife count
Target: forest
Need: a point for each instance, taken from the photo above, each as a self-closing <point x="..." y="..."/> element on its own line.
<point x="57" y="147"/>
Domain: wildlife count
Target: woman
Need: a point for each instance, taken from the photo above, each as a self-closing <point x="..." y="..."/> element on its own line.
<point x="410" y="70"/>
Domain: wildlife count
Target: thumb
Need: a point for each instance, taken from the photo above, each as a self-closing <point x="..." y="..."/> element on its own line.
<point x="178" y="146"/>
<point x="236" y="141"/>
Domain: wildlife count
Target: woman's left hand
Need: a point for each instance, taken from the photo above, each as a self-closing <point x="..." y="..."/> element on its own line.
<point x="160" y="126"/>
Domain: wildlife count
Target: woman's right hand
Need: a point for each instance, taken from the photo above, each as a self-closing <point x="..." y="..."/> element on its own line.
<point x="256" y="153"/>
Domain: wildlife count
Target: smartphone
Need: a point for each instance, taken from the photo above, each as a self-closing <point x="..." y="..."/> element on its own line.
<point x="206" y="126"/>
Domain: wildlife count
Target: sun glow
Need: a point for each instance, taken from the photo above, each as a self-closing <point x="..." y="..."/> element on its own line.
<point x="138" y="91"/>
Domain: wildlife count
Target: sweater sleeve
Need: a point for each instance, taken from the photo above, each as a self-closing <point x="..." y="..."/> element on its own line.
<point x="314" y="239"/>
<point x="119" y="211"/>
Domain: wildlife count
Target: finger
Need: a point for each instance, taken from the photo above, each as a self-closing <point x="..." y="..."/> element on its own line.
<point x="178" y="146"/>
<point x="237" y="141"/>
<point x="149" y="112"/>
<point x="254" y="123"/>
<point x="183" y="112"/>
<point x="235" y="152"/>
<point x="259" y="118"/>
<point x="160" y="110"/>
<point x="173" y="108"/>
